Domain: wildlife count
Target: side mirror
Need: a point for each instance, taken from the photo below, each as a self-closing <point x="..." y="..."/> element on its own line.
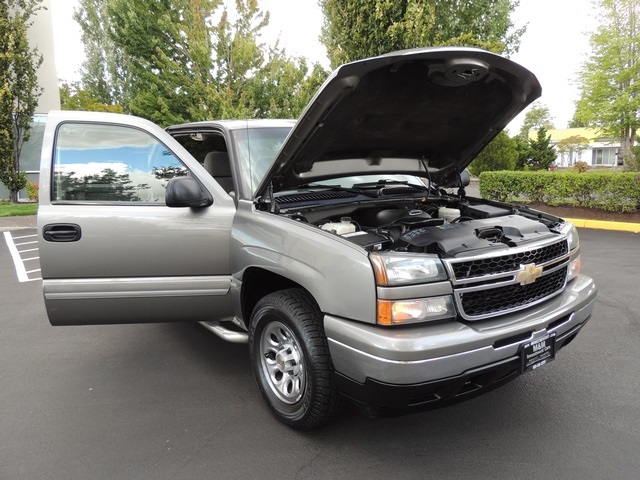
<point x="462" y="181"/>
<point x="465" y="178"/>
<point x="186" y="192"/>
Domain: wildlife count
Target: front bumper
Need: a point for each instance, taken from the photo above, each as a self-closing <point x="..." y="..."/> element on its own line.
<point x="448" y="361"/>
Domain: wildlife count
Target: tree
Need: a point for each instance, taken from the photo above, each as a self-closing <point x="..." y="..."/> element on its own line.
<point x="500" y="154"/>
<point x="188" y="60"/>
<point x="355" y="29"/>
<point x="104" y="73"/>
<point x="19" y="90"/>
<point x="283" y="86"/>
<point x="523" y="147"/>
<point x="541" y="153"/>
<point x="572" y="147"/>
<point x="610" y="79"/>
<point x="74" y="97"/>
<point x="537" y="116"/>
<point x="167" y="51"/>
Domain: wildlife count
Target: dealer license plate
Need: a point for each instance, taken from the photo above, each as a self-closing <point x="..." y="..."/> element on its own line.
<point x="538" y="352"/>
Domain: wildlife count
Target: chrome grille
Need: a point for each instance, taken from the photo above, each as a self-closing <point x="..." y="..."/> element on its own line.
<point x="508" y="263"/>
<point x="486" y="286"/>
<point x="499" y="299"/>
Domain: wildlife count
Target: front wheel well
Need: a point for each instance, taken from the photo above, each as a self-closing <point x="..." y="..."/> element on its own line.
<point x="257" y="283"/>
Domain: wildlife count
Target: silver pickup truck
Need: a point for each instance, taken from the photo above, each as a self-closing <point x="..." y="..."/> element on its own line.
<point x="342" y="247"/>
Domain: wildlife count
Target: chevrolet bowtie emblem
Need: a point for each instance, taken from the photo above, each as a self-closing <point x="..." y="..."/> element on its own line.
<point x="528" y="274"/>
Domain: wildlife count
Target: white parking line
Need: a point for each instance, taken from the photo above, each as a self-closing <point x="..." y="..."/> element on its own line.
<point x="17" y="261"/>
<point x="24" y="243"/>
<point x="23" y="274"/>
<point x="25" y="236"/>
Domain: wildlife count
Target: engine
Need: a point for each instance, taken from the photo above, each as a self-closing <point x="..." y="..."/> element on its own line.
<point x="449" y="231"/>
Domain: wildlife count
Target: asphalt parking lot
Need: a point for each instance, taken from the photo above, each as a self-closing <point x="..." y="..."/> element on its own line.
<point x="165" y="401"/>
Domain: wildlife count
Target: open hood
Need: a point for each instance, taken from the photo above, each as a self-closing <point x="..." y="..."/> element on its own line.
<point x="402" y="112"/>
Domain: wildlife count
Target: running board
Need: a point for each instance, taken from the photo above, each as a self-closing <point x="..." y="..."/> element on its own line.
<point x="226" y="334"/>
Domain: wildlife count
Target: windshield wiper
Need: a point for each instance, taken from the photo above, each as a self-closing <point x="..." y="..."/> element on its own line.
<point x="386" y="183"/>
<point x="334" y="187"/>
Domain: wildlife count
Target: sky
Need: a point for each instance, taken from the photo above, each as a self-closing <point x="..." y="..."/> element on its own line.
<point x="554" y="47"/>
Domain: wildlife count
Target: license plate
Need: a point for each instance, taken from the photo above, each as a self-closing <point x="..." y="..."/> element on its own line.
<point x="538" y="352"/>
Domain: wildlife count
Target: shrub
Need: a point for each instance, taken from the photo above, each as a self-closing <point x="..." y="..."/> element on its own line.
<point x="32" y="191"/>
<point x="581" y="167"/>
<point x="611" y="191"/>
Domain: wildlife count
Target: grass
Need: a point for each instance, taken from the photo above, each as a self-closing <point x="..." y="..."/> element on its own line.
<point x="17" y="209"/>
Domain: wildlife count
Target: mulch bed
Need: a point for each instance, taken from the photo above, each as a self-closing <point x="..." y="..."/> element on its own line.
<point x="587" y="213"/>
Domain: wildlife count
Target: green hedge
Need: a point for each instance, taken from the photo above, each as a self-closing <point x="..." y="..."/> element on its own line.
<point x="611" y="191"/>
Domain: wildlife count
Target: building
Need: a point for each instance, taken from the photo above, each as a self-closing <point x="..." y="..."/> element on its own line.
<point x="583" y="145"/>
<point x="40" y="36"/>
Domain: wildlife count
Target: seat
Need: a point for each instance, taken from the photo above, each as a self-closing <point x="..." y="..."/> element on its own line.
<point x="217" y="164"/>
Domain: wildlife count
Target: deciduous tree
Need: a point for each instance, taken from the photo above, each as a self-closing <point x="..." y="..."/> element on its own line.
<point x="355" y="29"/>
<point x="610" y="79"/>
<point x="572" y="147"/>
<point x="500" y="154"/>
<point x="104" y="72"/>
<point x="19" y="90"/>
<point x="188" y="60"/>
<point x="537" y="116"/>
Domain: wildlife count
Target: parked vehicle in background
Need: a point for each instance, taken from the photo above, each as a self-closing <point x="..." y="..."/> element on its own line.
<point x="334" y="245"/>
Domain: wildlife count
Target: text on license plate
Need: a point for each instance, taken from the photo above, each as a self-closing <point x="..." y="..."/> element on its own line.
<point x="538" y="352"/>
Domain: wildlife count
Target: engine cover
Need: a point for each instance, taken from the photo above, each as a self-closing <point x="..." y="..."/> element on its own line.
<point x="462" y="238"/>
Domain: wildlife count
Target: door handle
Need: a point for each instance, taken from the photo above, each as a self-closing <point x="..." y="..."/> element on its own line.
<point x="62" y="232"/>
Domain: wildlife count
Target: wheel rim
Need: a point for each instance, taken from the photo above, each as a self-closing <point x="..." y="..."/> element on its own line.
<point x="282" y="362"/>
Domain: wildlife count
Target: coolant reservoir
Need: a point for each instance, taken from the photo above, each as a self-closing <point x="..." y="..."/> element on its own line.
<point x="341" y="227"/>
<point x="449" y="214"/>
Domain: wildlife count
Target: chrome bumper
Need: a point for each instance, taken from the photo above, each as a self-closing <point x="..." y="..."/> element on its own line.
<point x="404" y="356"/>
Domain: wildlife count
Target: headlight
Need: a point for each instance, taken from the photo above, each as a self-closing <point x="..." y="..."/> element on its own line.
<point x="572" y="236"/>
<point x="393" y="269"/>
<point x="401" y="312"/>
<point x="574" y="244"/>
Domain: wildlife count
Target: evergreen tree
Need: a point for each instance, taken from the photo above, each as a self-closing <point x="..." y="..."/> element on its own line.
<point x="19" y="90"/>
<point x="541" y="153"/>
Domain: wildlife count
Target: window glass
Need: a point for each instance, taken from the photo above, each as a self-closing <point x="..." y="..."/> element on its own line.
<point x="604" y="156"/>
<point x="257" y="149"/>
<point x="30" y="154"/>
<point x="109" y="163"/>
<point x="349" y="182"/>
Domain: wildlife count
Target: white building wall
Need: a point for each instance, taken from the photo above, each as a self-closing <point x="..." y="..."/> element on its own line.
<point x="41" y="36"/>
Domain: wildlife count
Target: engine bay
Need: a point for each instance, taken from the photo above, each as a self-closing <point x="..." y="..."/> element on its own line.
<point x="447" y="225"/>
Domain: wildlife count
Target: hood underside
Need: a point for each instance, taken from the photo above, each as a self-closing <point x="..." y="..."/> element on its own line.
<point x="400" y="113"/>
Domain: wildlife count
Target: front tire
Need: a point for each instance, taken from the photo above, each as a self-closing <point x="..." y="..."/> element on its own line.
<point x="290" y="359"/>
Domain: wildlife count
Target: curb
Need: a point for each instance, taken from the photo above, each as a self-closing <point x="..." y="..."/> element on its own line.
<point x="604" y="225"/>
<point x="8" y="224"/>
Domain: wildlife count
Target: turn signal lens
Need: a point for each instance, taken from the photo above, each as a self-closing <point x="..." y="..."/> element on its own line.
<point x="574" y="268"/>
<point x="401" y="312"/>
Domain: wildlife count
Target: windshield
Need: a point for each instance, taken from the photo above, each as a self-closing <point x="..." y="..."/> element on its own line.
<point x="256" y="149"/>
<point x="349" y="182"/>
